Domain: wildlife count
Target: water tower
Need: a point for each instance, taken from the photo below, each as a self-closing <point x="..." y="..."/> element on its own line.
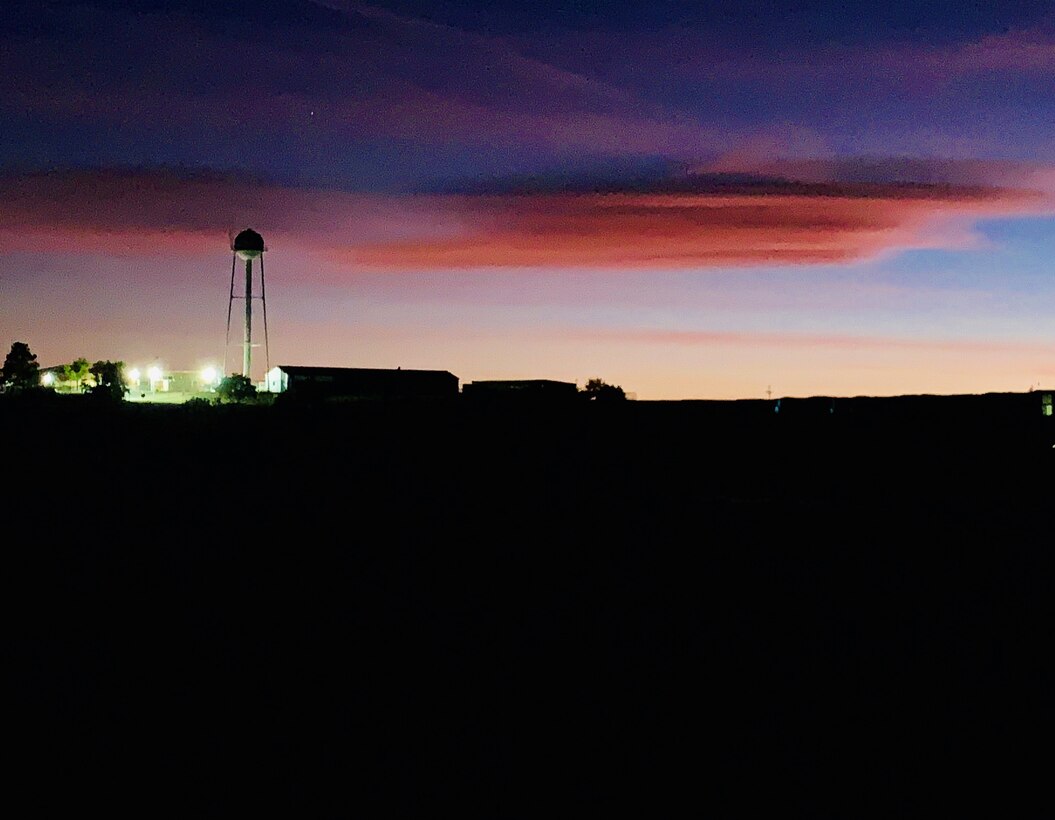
<point x="247" y="246"/>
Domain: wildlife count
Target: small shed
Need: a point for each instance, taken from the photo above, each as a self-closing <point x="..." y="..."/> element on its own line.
<point x="521" y="390"/>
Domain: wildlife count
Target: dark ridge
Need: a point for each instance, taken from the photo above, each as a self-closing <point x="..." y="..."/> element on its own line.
<point x="403" y="606"/>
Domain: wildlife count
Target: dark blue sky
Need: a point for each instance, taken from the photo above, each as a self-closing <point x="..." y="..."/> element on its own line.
<point x="338" y="93"/>
<point x="801" y="21"/>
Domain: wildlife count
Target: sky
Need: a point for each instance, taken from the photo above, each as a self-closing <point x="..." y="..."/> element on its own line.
<point x="718" y="200"/>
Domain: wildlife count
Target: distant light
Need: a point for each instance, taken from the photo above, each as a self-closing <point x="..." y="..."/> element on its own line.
<point x="133" y="375"/>
<point x="154" y="374"/>
<point x="208" y="375"/>
<point x="48" y="379"/>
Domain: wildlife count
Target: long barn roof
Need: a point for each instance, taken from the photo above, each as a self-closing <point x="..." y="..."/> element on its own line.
<point x="305" y="370"/>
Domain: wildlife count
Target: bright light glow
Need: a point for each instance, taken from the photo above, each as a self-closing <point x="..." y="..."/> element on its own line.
<point x="208" y="375"/>
<point x="133" y="375"/>
<point x="155" y="374"/>
<point x="47" y="379"/>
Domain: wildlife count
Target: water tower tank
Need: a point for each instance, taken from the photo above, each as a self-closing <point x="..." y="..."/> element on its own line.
<point x="248" y="244"/>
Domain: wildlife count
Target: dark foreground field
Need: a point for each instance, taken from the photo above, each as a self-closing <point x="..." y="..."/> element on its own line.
<point x="629" y="608"/>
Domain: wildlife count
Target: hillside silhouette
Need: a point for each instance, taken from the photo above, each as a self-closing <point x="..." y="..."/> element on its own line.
<point x="508" y="608"/>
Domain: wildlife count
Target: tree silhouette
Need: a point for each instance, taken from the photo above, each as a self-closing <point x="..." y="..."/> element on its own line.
<point x="599" y="390"/>
<point x="109" y="380"/>
<point x="235" y="388"/>
<point x="76" y="372"/>
<point x="20" y="371"/>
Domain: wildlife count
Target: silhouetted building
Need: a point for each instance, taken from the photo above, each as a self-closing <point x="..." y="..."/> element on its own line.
<point x="521" y="389"/>
<point x="360" y="382"/>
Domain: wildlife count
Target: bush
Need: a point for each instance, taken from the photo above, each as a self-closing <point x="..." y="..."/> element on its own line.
<point x="235" y="388"/>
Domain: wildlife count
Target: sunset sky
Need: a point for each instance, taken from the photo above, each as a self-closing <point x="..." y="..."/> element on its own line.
<point x="690" y="200"/>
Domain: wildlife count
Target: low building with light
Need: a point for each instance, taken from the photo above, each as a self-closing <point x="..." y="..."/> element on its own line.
<point x="303" y="382"/>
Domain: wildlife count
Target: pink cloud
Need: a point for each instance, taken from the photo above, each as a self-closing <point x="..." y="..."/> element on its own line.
<point x="697" y="56"/>
<point x="785" y="225"/>
<point x="1021" y="50"/>
<point x="136" y="209"/>
<point x="693" y="223"/>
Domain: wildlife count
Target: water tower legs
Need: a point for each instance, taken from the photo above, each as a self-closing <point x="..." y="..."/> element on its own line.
<point x="247" y="353"/>
<point x="248" y="245"/>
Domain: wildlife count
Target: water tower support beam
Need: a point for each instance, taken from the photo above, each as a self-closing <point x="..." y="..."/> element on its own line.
<point x="263" y="303"/>
<point x="230" y="302"/>
<point x="247" y="354"/>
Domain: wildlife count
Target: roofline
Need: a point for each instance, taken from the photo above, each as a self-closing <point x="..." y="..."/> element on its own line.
<point x="294" y="367"/>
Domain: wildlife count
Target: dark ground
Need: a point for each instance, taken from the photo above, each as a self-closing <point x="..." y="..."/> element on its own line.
<point x="707" y="609"/>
